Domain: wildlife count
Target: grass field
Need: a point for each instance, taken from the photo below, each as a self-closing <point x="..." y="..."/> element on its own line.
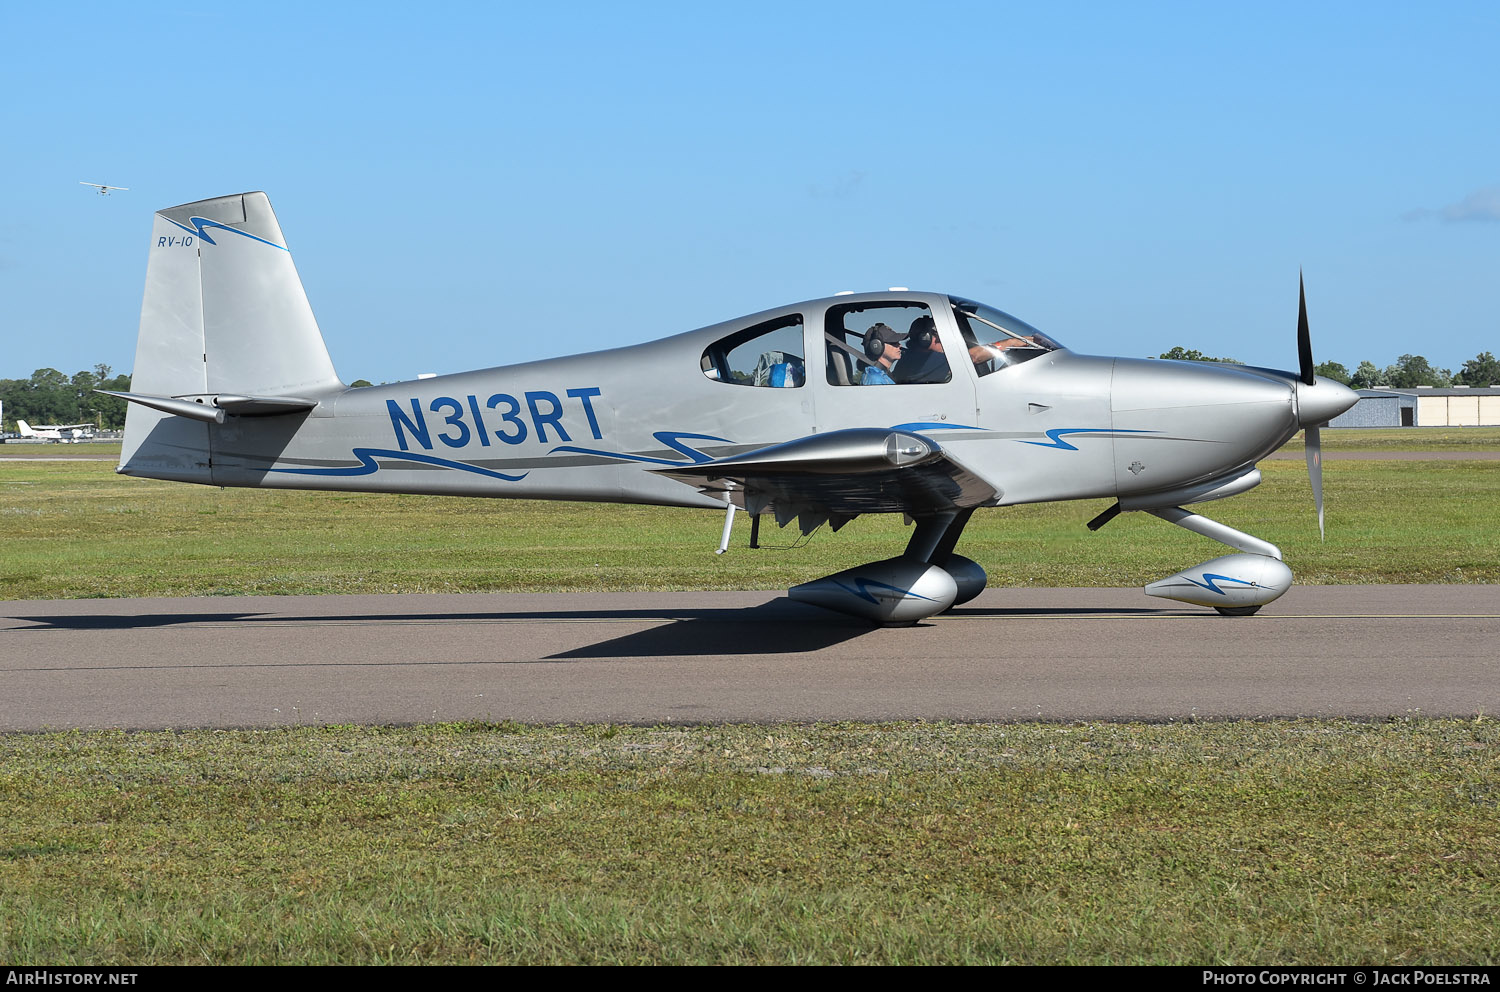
<point x="75" y="529"/>
<point x="1277" y="843"/>
<point x="1406" y="438"/>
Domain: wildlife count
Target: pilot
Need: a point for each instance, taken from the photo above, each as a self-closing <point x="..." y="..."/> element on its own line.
<point x="981" y="353"/>
<point x="924" y="360"/>
<point x="883" y="348"/>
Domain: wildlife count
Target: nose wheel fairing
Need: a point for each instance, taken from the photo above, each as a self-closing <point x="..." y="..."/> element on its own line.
<point x="1235" y="585"/>
<point x="1232" y="582"/>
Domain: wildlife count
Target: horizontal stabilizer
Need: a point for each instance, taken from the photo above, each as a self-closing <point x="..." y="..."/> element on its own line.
<point x="263" y="406"/>
<point x="213" y="409"/>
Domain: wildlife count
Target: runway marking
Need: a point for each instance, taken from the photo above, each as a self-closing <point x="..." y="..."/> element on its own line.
<point x="312" y="622"/>
<point x="295" y="622"/>
<point x="372" y="621"/>
<point x="196" y="666"/>
<point x="1213" y="616"/>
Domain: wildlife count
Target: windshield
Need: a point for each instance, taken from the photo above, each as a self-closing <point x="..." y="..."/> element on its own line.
<point x="997" y="340"/>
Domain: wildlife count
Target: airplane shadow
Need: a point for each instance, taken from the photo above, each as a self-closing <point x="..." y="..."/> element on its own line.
<point x="782" y="627"/>
<point x="778" y="627"/>
<point x="144" y="621"/>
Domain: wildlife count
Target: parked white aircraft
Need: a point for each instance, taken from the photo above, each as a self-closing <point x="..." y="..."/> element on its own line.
<point x="64" y="433"/>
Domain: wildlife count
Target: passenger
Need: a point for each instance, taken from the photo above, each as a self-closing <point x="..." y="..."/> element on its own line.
<point x="924" y="360"/>
<point x="883" y="348"/>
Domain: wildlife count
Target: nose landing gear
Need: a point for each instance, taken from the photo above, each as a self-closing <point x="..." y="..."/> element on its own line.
<point x="1235" y="585"/>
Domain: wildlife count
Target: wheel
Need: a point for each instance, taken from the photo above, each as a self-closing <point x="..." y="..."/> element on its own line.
<point x="1238" y="611"/>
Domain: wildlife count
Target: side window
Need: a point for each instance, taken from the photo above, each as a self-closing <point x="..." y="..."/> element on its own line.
<point x="768" y="354"/>
<point x="848" y="363"/>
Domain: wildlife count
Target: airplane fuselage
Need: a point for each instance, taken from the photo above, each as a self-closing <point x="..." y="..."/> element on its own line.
<point x="590" y="427"/>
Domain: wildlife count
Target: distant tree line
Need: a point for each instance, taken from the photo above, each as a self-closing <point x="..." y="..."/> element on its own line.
<point x="50" y="397"/>
<point x="1408" y="372"/>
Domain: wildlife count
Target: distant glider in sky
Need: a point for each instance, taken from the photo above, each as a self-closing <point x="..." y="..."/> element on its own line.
<point x="103" y="190"/>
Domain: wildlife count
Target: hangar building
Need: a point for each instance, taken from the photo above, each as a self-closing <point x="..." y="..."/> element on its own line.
<point x="1425" y="406"/>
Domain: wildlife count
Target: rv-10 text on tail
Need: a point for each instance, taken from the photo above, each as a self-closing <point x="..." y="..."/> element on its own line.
<point x="924" y="404"/>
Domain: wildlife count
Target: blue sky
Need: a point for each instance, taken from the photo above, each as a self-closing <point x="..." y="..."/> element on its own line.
<point x="473" y="185"/>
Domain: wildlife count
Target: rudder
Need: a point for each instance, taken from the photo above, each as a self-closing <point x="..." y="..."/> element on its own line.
<point x="224" y="312"/>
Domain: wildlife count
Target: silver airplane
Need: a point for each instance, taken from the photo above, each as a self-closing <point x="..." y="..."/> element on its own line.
<point x="767" y="414"/>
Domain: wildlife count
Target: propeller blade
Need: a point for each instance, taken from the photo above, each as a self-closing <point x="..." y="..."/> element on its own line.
<point x="1312" y="440"/>
<point x="1304" y="336"/>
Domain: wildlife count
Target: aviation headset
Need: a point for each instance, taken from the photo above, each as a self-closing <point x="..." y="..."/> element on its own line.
<point x="875" y="342"/>
<point x="923" y="329"/>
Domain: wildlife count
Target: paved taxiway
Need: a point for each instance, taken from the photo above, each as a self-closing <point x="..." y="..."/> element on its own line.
<point x="1012" y="654"/>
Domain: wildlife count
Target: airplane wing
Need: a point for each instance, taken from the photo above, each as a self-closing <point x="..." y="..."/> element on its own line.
<point x="834" y="477"/>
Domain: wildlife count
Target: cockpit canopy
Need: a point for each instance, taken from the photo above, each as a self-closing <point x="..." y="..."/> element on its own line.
<point x="773" y="353"/>
<point x="1007" y="340"/>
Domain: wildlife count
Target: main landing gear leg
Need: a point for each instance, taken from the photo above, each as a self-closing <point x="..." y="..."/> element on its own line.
<point x="927" y="579"/>
<point x="933" y="541"/>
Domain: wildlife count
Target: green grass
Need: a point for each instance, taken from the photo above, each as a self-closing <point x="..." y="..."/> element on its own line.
<point x="82" y="449"/>
<point x="75" y="529"/>
<point x="1406" y="439"/>
<point x="1283" y="843"/>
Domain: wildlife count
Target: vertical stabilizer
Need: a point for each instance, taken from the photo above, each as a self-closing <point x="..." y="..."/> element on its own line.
<point x="224" y="313"/>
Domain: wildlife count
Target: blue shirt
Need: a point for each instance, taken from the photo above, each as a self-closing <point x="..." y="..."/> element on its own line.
<point x="875" y="376"/>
